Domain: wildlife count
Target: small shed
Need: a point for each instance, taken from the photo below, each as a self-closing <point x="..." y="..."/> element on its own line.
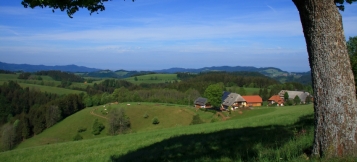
<point x="276" y="99"/>
<point x="201" y="102"/>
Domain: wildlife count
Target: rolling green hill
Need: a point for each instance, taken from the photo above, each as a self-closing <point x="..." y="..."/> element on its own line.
<point x="266" y="134"/>
<point x="169" y="115"/>
<point x="48" y="84"/>
<point x="153" y="78"/>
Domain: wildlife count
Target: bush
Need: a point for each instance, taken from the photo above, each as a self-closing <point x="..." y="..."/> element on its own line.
<point x="155" y="120"/>
<point x="289" y="103"/>
<point x="77" y="137"/>
<point x="146" y="115"/>
<point x="214" y="120"/>
<point x="196" y="120"/>
<point x="97" y="127"/>
<point x="81" y="129"/>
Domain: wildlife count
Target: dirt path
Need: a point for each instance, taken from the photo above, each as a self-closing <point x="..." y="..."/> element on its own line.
<point x="92" y="112"/>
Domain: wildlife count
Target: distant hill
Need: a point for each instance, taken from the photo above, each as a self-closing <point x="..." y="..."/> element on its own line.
<point x="276" y="73"/>
<point x="120" y="74"/>
<point x="268" y="71"/>
<point x="34" y="68"/>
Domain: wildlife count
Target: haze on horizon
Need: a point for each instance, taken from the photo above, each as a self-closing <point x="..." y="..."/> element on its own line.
<point x="161" y="34"/>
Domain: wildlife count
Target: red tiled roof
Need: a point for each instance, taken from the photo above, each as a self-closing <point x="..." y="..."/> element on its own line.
<point x="254" y="99"/>
<point x="276" y="98"/>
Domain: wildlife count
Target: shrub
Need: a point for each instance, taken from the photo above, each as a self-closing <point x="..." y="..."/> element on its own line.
<point x="155" y="120"/>
<point x="77" y="137"/>
<point x="97" y="127"/>
<point x="81" y="129"/>
<point x="196" y="120"/>
<point x="214" y="120"/>
<point x="146" y="115"/>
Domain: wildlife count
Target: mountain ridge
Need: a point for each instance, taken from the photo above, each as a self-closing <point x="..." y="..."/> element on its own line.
<point x="33" y="68"/>
<point x="273" y="72"/>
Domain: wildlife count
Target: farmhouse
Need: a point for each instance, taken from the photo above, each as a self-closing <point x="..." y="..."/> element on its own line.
<point x="254" y="100"/>
<point x="301" y="94"/>
<point x="232" y="99"/>
<point x="201" y="102"/>
<point x="276" y="99"/>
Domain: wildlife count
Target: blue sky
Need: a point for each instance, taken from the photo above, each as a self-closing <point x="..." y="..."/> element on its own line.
<point x="160" y="34"/>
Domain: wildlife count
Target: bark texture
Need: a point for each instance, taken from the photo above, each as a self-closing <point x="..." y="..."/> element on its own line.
<point x="335" y="102"/>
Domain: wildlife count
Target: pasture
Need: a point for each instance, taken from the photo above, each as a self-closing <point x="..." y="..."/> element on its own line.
<point x="47" y="84"/>
<point x="153" y="78"/>
<point x="280" y="134"/>
<point x="169" y="116"/>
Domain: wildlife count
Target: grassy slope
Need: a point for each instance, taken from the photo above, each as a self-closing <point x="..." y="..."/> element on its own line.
<point x="150" y="78"/>
<point x="232" y="139"/>
<point x="170" y="116"/>
<point x="66" y="130"/>
<point x="35" y="84"/>
<point x="249" y="91"/>
<point x="50" y="89"/>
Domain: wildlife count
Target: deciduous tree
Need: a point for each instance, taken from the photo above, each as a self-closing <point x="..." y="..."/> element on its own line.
<point x="297" y="100"/>
<point x="53" y="115"/>
<point x="214" y="94"/>
<point x="118" y="121"/>
<point x="335" y="102"/>
<point x="97" y="127"/>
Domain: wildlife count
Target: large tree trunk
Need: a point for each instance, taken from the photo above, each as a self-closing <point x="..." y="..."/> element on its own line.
<point x="335" y="102"/>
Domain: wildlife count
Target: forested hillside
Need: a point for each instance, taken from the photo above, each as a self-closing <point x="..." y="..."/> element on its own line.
<point x="28" y="112"/>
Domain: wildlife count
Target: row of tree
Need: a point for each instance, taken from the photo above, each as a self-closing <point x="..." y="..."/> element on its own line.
<point x="199" y="82"/>
<point x="61" y="76"/>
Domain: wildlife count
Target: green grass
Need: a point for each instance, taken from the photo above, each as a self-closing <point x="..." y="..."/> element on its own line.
<point x="169" y="116"/>
<point x="267" y="136"/>
<point x="47" y="84"/>
<point x="153" y="78"/>
<point x="7" y="77"/>
<point x="66" y="130"/>
<point x="249" y="91"/>
<point x="50" y="89"/>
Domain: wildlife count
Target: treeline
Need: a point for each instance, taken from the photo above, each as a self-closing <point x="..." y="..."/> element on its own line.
<point x="240" y="79"/>
<point x="25" y="112"/>
<point x="116" y="74"/>
<point x="28" y="76"/>
<point x="186" y="91"/>
<point x="6" y="72"/>
<point x="61" y="76"/>
<point x="123" y="94"/>
<point x="198" y="81"/>
<point x="109" y="85"/>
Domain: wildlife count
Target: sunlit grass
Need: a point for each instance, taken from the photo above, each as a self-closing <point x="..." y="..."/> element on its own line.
<point x="270" y="136"/>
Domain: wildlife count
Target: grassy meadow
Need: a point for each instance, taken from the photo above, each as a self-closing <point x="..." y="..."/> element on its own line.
<point x="153" y="78"/>
<point x="260" y="134"/>
<point x="47" y="84"/>
<point x="169" y="116"/>
<point x="248" y="90"/>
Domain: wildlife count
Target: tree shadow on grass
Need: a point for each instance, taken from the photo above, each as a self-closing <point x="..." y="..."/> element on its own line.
<point x="232" y="144"/>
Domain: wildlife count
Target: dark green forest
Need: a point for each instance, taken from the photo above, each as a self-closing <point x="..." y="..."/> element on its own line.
<point x="29" y="112"/>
